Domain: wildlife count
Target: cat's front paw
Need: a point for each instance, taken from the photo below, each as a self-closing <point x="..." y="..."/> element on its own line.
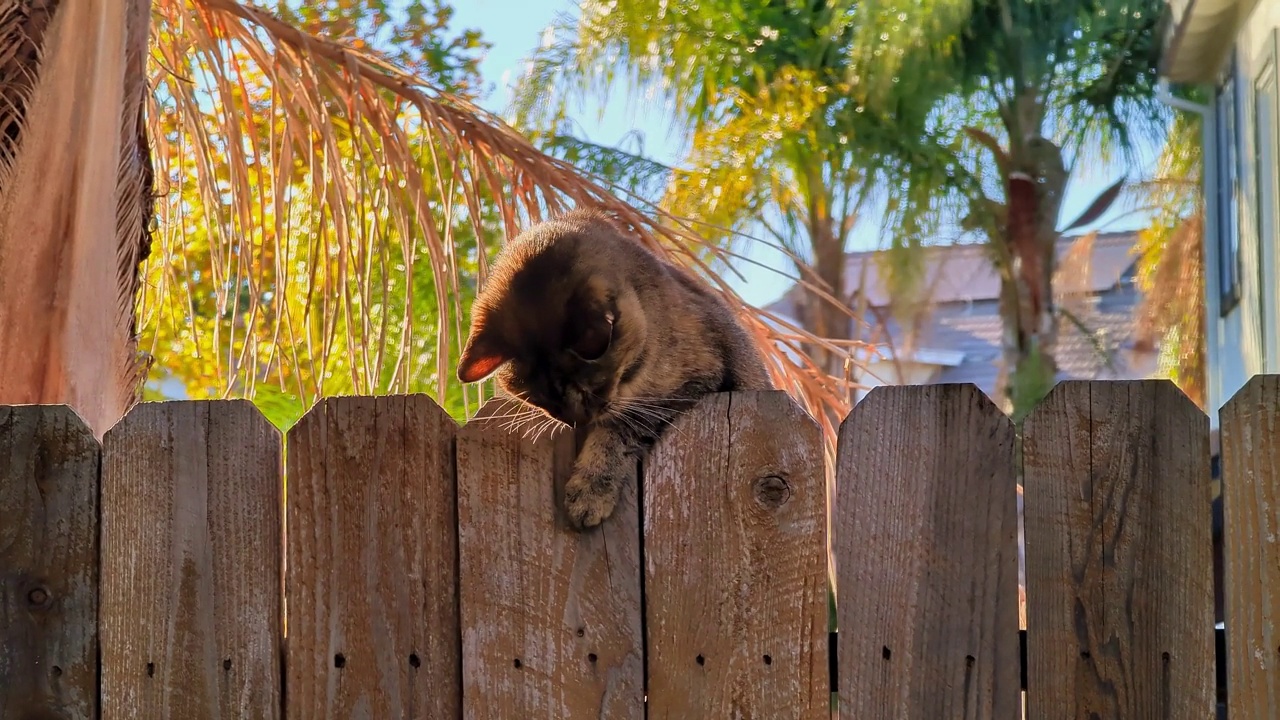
<point x="588" y="502"/>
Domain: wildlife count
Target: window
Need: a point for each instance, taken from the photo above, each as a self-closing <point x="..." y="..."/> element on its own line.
<point x="1228" y="188"/>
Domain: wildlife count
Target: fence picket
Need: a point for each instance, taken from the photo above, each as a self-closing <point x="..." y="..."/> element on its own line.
<point x="48" y="564"/>
<point x="190" y="606"/>
<point x="550" y="618"/>
<point x="735" y="563"/>
<point x="1119" y="572"/>
<point x="1251" y="522"/>
<point x="371" y="567"/>
<point x="926" y="555"/>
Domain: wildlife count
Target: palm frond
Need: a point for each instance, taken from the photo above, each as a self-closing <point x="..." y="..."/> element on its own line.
<point x="1171" y="316"/>
<point x="74" y="195"/>
<point x="334" y="198"/>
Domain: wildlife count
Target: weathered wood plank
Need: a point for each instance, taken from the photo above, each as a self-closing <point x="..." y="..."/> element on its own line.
<point x="926" y="555"/>
<point x="49" y="463"/>
<point x="1251" y="524"/>
<point x="735" y="563"/>
<point x="371" y="571"/>
<point x="1119" y="573"/>
<point x="551" y="618"/>
<point x="191" y="554"/>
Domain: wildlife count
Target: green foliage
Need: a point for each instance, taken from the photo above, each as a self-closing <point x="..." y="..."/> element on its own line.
<point x="282" y="273"/>
<point x="797" y="112"/>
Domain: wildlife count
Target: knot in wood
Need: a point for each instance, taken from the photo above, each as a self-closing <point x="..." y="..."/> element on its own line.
<point x="772" y="491"/>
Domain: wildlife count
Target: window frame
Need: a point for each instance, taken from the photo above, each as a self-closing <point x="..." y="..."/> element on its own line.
<point x="1227" y="168"/>
<point x="1265" y="185"/>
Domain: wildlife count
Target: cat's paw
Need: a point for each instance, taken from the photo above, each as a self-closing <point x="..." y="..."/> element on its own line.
<point x="588" y="503"/>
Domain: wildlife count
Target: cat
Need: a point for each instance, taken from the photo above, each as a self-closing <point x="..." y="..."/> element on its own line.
<point x="582" y="322"/>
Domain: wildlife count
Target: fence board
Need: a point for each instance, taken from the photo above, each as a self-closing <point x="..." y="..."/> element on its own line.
<point x="1119" y="573"/>
<point x="1251" y="522"/>
<point x="48" y="564"/>
<point x="371" y="569"/>
<point x="735" y="564"/>
<point x="190" y="607"/>
<point x="551" y="618"/>
<point x="926" y="555"/>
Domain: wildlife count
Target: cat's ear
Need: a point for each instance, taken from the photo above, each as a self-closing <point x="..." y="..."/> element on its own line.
<point x="480" y="358"/>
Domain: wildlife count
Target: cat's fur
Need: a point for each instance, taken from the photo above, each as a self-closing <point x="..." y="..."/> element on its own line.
<point x="586" y="324"/>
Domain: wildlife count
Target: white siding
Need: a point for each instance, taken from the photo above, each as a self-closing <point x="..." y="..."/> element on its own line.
<point x="1246" y="341"/>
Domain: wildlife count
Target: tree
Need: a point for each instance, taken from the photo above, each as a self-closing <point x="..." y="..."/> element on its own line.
<point x="798" y="113"/>
<point x="1171" y="261"/>
<point x="326" y="189"/>
<point x="762" y="92"/>
<point x="1042" y="88"/>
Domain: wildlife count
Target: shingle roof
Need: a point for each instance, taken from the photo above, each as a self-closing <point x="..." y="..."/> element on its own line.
<point x="964" y="315"/>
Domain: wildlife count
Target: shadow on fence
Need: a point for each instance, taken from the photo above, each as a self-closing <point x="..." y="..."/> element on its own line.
<point x="427" y="571"/>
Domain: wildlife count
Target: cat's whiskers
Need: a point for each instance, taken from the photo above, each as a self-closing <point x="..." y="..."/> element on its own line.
<point x="638" y="424"/>
<point x="513" y="420"/>
<point x="634" y="411"/>
<point x="548" y="424"/>
<point x="517" y="424"/>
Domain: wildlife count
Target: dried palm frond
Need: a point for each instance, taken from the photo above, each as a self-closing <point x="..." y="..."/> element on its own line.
<point x="74" y="196"/>
<point x="333" y="197"/>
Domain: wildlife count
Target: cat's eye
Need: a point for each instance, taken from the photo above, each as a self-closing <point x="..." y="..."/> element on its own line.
<point x="594" y="339"/>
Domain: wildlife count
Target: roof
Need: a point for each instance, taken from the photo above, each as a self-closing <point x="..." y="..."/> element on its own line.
<point x="961" y="336"/>
<point x="965" y="273"/>
<point x="1200" y="38"/>
<point x="1099" y="347"/>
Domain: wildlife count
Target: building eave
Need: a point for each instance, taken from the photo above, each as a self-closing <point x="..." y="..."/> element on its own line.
<point x="1200" y="38"/>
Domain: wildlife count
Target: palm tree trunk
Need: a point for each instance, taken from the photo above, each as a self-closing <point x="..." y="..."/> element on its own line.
<point x="822" y="317"/>
<point x="1035" y="182"/>
<point x="75" y="203"/>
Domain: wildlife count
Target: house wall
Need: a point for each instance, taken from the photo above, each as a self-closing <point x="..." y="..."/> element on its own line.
<point x="1245" y="340"/>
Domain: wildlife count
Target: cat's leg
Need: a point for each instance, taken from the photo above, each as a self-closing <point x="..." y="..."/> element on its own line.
<point x="606" y="461"/>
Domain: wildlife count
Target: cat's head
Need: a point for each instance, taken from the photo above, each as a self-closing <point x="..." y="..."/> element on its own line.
<point x="559" y="321"/>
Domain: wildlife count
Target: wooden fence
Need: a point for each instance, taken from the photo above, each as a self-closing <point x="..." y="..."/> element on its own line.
<point x="426" y="571"/>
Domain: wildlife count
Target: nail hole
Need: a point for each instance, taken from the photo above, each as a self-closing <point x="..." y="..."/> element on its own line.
<point x="151" y="669"/>
<point x="518" y="664"/>
<point x="339" y="661"/>
<point x="1164" y="657"/>
<point x="768" y="660"/>
<point x="1084" y="654"/>
<point x="57" y="671"/>
<point x="969" y="660"/>
<point x="414" y="661"/>
<point x="591" y="657"/>
<point x="226" y="664"/>
<point x="701" y="660"/>
<point x="886" y="653"/>
<point x="581" y="632"/>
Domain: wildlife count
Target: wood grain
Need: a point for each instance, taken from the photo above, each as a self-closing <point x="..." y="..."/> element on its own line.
<point x="371" y="575"/>
<point x="926" y="556"/>
<point x="1251" y="524"/>
<point x="1119" y="573"/>
<point x="49" y="463"/>
<point x="551" y="618"/>
<point x="735" y="563"/>
<point x="191" y="563"/>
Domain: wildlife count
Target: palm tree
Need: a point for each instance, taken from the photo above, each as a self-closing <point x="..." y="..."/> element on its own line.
<point x="799" y="113"/>
<point x="287" y="166"/>
<point x="1043" y="88"/>
<point x="1171" y="261"/>
<point x="762" y="91"/>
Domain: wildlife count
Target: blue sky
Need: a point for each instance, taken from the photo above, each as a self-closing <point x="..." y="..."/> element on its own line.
<point x="515" y="30"/>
